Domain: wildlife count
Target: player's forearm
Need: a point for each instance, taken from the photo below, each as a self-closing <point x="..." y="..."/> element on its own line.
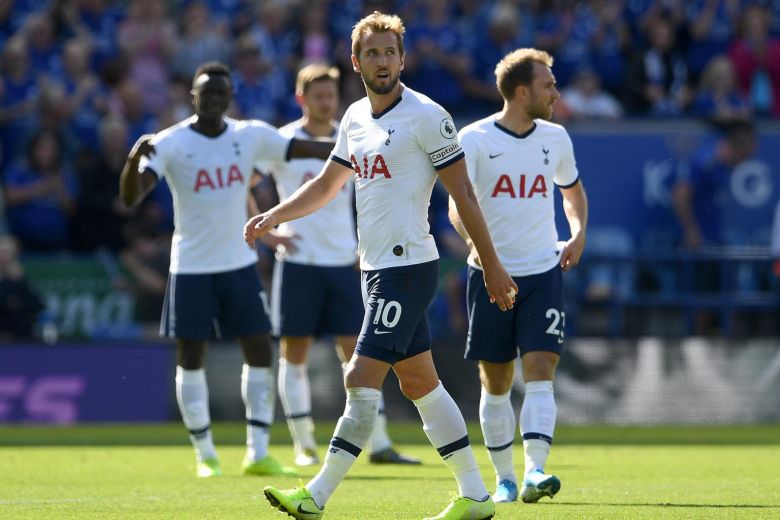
<point x="130" y="187"/>
<point x="473" y="223"/>
<point x="310" y="149"/>
<point x="456" y="223"/>
<point x="307" y="199"/>
<point x="575" y="205"/>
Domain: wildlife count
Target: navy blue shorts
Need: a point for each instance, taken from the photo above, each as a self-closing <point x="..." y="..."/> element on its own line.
<point x="395" y="326"/>
<point x="535" y="322"/>
<point x="310" y="300"/>
<point x="215" y="305"/>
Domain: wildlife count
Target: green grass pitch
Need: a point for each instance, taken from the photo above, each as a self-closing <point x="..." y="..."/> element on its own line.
<point x="147" y="472"/>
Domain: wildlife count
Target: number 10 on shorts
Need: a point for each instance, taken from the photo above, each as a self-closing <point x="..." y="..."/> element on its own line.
<point x="384" y="310"/>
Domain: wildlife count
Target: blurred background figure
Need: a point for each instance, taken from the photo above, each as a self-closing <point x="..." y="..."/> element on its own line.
<point x="20" y="305"/>
<point x="718" y="99"/>
<point x="585" y="99"/>
<point x="40" y="196"/>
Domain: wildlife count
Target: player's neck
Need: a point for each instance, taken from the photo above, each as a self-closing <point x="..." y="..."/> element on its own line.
<point x="380" y="102"/>
<point x="515" y="120"/>
<point x="209" y="127"/>
<point x="317" y="128"/>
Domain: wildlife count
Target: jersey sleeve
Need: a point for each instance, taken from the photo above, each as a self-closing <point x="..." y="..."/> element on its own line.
<point x="438" y="137"/>
<point x="158" y="161"/>
<point x="340" y="153"/>
<point x="272" y="146"/>
<point x="471" y="151"/>
<point x="566" y="175"/>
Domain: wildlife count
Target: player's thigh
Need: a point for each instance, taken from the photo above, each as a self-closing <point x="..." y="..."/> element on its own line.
<point x="189" y="307"/>
<point x="297" y="299"/>
<point x="491" y="334"/>
<point x="242" y="303"/>
<point x="343" y="303"/>
<point x="395" y="325"/>
<point x="541" y="318"/>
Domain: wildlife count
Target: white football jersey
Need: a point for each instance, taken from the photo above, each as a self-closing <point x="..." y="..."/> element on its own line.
<point x="209" y="178"/>
<point x="395" y="155"/>
<point x="327" y="236"/>
<point x="513" y="177"/>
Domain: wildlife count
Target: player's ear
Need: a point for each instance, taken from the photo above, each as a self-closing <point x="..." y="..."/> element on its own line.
<point x="402" y="58"/>
<point x="299" y="99"/>
<point x="355" y="63"/>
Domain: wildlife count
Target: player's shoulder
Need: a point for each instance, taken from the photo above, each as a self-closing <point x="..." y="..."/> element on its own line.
<point x="174" y="132"/>
<point x="546" y="128"/>
<point x="293" y="129"/>
<point x="248" y="125"/>
<point x="483" y="126"/>
<point x="421" y="103"/>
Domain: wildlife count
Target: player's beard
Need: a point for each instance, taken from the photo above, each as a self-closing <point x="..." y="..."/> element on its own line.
<point x="381" y="89"/>
<point x="540" y="108"/>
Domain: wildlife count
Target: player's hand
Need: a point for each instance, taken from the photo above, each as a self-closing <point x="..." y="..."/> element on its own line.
<point x="572" y="252"/>
<point x="280" y="242"/>
<point x="500" y="286"/>
<point x="258" y="226"/>
<point x="143" y="146"/>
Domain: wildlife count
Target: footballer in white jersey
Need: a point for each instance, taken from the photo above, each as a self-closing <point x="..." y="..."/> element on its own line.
<point x="327" y="238"/>
<point x="394" y="142"/>
<point x="209" y="179"/>
<point x="514" y="177"/>
<point x="213" y="286"/>
<point x="395" y="156"/>
<point x="515" y="159"/>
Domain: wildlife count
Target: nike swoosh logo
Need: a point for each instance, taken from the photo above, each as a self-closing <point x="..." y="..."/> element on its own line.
<point x="302" y="510"/>
<point x="377" y="331"/>
<point x="493" y="156"/>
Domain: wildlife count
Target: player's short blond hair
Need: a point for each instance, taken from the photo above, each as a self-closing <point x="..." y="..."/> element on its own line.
<point x="517" y="68"/>
<point x="315" y="72"/>
<point x="378" y="22"/>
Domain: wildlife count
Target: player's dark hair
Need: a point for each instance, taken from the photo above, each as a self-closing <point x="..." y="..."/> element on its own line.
<point x="212" y="68"/>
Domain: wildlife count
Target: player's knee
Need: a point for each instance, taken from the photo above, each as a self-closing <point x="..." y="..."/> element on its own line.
<point x="416" y="386"/>
<point x="539" y="367"/>
<point x="257" y="350"/>
<point x="190" y="355"/>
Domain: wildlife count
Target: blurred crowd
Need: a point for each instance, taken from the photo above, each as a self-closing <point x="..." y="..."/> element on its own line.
<point x="81" y="80"/>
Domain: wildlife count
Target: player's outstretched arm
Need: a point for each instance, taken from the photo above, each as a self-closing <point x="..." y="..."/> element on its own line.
<point x="575" y="205"/>
<point x="135" y="185"/>
<point x="310" y="197"/>
<point x="310" y="149"/>
<point x="499" y="284"/>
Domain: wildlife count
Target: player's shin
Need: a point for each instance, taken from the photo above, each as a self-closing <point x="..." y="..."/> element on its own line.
<point x="351" y="435"/>
<point x="192" y="396"/>
<point x="444" y="425"/>
<point x="497" y="420"/>
<point x="257" y="393"/>
<point x="295" y="394"/>
<point x="537" y="423"/>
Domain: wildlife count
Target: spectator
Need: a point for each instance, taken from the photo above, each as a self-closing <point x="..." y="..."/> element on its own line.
<point x="657" y="80"/>
<point x="436" y="59"/>
<point x="585" y="98"/>
<point x="199" y="41"/>
<point x="698" y="195"/>
<point x="43" y="48"/>
<point x="756" y="58"/>
<point x="711" y="26"/>
<point x="100" y="215"/>
<point x="85" y="98"/>
<point x="718" y="99"/>
<point x="315" y="42"/>
<point x="19" y="303"/>
<point x="146" y="259"/>
<point x="255" y="94"/>
<point x="147" y="39"/>
<point x="18" y="98"/>
<point x="40" y="195"/>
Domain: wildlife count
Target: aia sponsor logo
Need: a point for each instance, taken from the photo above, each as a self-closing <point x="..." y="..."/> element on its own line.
<point x="370" y="168"/>
<point x="521" y="189"/>
<point x="217" y="179"/>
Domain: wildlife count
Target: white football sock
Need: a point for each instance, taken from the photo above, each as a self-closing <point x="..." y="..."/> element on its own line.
<point x="537" y="423"/>
<point x="380" y="439"/>
<point x="192" y="395"/>
<point x="258" y="394"/>
<point x="295" y="394"/>
<point x="444" y="425"/>
<point x="497" y="419"/>
<point x="349" y="438"/>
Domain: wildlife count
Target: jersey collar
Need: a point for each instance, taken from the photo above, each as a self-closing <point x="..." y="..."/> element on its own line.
<point x="388" y="109"/>
<point x="513" y="134"/>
